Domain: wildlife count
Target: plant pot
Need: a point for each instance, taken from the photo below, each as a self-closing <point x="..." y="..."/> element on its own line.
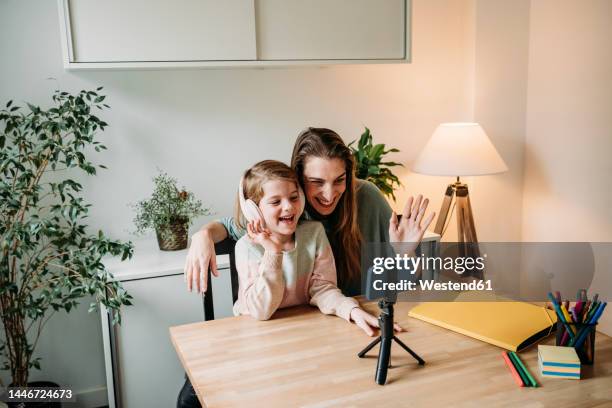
<point x="44" y="404"/>
<point x="173" y="237"/>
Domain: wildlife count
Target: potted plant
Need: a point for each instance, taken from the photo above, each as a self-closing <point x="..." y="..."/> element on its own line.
<point x="48" y="259"/>
<point x="369" y="164"/>
<point x="169" y="211"/>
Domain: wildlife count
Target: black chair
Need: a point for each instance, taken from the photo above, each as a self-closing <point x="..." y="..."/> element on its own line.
<point x="187" y="397"/>
<point x="224" y="247"/>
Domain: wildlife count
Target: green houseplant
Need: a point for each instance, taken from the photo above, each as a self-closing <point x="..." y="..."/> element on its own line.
<point x="169" y="211"/>
<point x="48" y="260"/>
<point x="370" y="165"/>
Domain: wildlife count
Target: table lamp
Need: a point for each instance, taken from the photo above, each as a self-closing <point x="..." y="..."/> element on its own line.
<point x="459" y="149"/>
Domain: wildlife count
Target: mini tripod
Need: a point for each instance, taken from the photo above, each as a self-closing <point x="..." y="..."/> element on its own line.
<point x="386" y="335"/>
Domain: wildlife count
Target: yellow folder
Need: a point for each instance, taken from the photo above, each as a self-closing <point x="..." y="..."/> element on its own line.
<point x="507" y="324"/>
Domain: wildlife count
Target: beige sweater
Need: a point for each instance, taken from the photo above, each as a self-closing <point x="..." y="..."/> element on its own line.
<point x="306" y="274"/>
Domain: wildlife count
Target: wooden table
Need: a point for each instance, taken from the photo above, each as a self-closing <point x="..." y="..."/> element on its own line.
<point x="304" y="358"/>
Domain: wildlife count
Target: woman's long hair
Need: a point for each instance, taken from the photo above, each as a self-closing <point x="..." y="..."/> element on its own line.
<point x="343" y="233"/>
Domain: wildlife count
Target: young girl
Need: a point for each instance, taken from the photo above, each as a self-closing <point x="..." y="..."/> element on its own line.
<point x="283" y="262"/>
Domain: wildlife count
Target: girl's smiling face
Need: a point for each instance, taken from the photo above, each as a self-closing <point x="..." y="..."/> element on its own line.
<point x="324" y="183"/>
<point x="280" y="206"/>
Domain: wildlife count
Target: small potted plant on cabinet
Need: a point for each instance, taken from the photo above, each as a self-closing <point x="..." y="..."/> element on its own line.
<point x="169" y="211"/>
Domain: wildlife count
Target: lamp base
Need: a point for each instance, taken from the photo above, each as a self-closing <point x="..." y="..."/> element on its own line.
<point x="467" y="239"/>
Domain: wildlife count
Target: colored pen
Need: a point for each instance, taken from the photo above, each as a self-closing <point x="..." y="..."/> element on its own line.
<point x="560" y="314"/>
<point x="515" y="374"/>
<point x="524" y="377"/>
<point x="568" y="318"/>
<point x="583" y="333"/>
<point x="524" y="369"/>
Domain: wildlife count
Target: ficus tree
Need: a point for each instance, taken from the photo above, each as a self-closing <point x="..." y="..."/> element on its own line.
<point x="49" y="259"/>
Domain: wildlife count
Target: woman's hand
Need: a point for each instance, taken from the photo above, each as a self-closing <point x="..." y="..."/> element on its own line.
<point x="200" y="257"/>
<point x="410" y="229"/>
<point x="367" y="322"/>
<point x="262" y="236"/>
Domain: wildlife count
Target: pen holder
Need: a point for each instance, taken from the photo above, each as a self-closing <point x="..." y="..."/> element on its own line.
<point x="584" y="342"/>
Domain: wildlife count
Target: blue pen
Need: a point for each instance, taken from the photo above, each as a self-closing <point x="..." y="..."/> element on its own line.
<point x="560" y="315"/>
<point x="581" y="337"/>
<point x="598" y="313"/>
<point x="585" y="330"/>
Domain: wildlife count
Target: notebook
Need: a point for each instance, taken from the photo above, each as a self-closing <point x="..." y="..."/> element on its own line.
<point x="507" y="324"/>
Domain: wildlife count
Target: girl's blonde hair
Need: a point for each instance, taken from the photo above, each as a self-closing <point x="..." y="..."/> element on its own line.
<point x="253" y="180"/>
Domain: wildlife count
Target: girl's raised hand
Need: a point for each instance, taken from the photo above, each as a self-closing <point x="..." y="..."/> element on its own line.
<point x="367" y="322"/>
<point x="412" y="225"/>
<point x="262" y="236"/>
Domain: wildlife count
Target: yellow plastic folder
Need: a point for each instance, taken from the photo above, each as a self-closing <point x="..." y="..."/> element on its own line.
<point x="507" y="324"/>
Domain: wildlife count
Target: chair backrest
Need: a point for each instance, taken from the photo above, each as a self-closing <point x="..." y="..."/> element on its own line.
<point x="224" y="247"/>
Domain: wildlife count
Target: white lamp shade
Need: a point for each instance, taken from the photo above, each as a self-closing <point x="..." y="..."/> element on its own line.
<point x="459" y="149"/>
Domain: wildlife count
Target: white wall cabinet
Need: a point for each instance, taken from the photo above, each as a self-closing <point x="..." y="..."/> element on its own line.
<point x="331" y="29"/>
<point x="159" y="30"/>
<point x="208" y="33"/>
<point x="142" y="368"/>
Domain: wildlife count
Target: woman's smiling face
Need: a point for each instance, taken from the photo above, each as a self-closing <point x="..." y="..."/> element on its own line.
<point x="324" y="183"/>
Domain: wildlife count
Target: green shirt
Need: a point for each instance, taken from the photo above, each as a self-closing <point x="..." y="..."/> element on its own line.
<point x="373" y="214"/>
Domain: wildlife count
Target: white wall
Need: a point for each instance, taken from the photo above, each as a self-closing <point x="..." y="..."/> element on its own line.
<point x="494" y="48"/>
<point x="568" y="146"/>
<point x="206" y="126"/>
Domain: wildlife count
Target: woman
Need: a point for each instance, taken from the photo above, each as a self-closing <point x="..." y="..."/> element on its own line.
<point x="352" y="212"/>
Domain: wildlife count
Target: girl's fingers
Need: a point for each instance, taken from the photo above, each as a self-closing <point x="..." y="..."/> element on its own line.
<point x="365" y="327"/>
<point x="371" y="320"/>
<point x="398" y="328"/>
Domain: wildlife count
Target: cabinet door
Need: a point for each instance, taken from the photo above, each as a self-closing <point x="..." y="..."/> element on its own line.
<point x="149" y="371"/>
<point x="161" y="30"/>
<point x="331" y="29"/>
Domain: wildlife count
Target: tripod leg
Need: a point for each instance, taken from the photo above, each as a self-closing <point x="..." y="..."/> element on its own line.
<point x="383" y="360"/>
<point x="412" y="353"/>
<point x="363" y="352"/>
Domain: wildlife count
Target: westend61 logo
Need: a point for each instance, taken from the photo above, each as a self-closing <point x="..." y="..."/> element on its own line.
<point x="411" y="264"/>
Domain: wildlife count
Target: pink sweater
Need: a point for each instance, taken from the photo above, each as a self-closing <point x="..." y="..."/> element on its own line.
<point x="306" y="274"/>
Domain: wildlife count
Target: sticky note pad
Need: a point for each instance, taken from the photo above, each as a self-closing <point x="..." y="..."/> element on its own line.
<point x="559" y="362"/>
